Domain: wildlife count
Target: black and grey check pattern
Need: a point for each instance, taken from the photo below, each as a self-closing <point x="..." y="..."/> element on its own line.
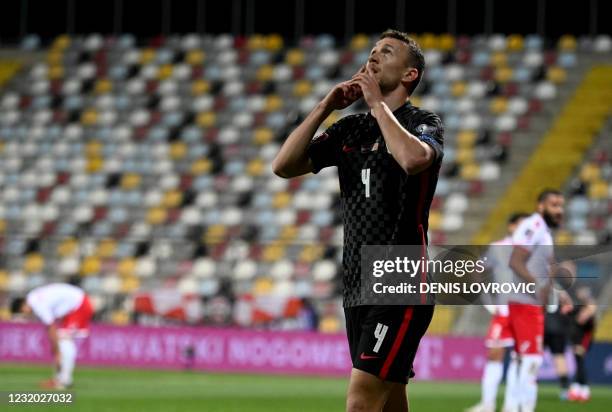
<point x="398" y="207"/>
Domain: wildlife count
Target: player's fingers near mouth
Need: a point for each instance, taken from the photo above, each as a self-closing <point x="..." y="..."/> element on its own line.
<point x="358" y="80"/>
<point x="363" y="83"/>
<point x="345" y="88"/>
<point x="362" y="69"/>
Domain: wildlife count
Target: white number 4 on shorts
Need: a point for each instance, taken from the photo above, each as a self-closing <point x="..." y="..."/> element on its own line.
<point x="379" y="334"/>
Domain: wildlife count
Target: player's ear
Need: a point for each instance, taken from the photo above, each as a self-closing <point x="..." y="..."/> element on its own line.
<point x="410" y="75"/>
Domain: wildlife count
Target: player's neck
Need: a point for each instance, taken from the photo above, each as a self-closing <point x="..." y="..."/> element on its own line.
<point x="395" y="98"/>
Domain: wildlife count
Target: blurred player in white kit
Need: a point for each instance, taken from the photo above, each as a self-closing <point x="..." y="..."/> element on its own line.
<point x="66" y="311"/>
<point x="532" y="261"/>
<point x="499" y="336"/>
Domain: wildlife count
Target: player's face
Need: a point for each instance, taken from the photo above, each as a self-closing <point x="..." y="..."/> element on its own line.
<point x="26" y="310"/>
<point x="388" y="62"/>
<point x="552" y="209"/>
<point x="512" y="226"/>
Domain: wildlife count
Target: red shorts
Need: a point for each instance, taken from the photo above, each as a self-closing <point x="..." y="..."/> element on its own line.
<point x="499" y="334"/>
<point x="527" y="326"/>
<point x="77" y="321"/>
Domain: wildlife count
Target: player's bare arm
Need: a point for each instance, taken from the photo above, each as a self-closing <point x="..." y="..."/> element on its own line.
<point x="518" y="263"/>
<point x="292" y="160"/>
<point x="586" y="312"/>
<point x="52" y="333"/>
<point x="409" y="152"/>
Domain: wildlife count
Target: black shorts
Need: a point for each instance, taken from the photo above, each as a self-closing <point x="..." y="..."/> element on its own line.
<point x="582" y="337"/>
<point x="383" y="340"/>
<point x="556" y="342"/>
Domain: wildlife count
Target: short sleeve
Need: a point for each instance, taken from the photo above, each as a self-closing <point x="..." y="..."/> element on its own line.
<point x="429" y="129"/>
<point x="324" y="150"/>
<point x="526" y="236"/>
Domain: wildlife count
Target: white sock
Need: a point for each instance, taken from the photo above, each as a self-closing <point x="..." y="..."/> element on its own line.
<point x="491" y="377"/>
<point x="511" y="397"/>
<point x="68" y="354"/>
<point x="528" y="381"/>
<point x="585" y="391"/>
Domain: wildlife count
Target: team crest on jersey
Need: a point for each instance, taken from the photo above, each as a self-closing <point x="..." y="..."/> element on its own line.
<point x="424" y="129"/>
<point x="529" y="233"/>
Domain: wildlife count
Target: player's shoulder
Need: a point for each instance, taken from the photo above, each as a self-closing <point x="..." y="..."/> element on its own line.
<point x="352" y="118"/>
<point x="534" y="222"/>
<point x="346" y="124"/>
<point x="418" y="113"/>
<point x="421" y="121"/>
<point x="533" y="229"/>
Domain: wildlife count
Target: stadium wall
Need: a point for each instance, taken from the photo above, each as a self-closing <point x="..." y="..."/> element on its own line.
<point x="258" y="352"/>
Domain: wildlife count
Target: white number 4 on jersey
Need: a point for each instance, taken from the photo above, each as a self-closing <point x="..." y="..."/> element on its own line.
<point x="365" y="179"/>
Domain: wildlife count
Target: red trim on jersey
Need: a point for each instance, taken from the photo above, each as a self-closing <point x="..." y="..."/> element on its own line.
<point x="424" y="256"/>
<point x="397" y="343"/>
<point x="586" y="339"/>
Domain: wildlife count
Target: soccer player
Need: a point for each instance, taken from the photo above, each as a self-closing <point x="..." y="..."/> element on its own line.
<point x="388" y="163"/>
<point x="556" y="336"/>
<point x="66" y="311"/>
<point x="499" y="335"/>
<point x="531" y="260"/>
<point x="582" y="331"/>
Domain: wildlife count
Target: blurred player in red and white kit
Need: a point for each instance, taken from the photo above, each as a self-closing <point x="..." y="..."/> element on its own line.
<point x="499" y="336"/>
<point x="532" y="261"/>
<point x="66" y="311"/>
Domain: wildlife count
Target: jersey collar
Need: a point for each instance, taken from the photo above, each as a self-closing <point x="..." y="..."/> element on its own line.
<point x="397" y="111"/>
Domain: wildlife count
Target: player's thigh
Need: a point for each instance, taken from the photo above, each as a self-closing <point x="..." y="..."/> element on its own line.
<point x="397" y="401"/>
<point x="367" y="392"/>
<point x="496" y="353"/>
<point x="354" y="324"/>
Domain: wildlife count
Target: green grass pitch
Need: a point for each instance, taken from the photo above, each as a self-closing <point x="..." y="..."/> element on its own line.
<point x="111" y="390"/>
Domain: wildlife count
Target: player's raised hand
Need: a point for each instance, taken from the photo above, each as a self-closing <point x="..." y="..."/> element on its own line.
<point x="565" y="302"/>
<point x="342" y="95"/>
<point x="369" y="86"/>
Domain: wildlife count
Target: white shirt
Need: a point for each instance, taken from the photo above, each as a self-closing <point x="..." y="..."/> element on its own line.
<point x="533" y="235"/>
<point x="498" y="261"/>
<point x="54" y="301"/>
